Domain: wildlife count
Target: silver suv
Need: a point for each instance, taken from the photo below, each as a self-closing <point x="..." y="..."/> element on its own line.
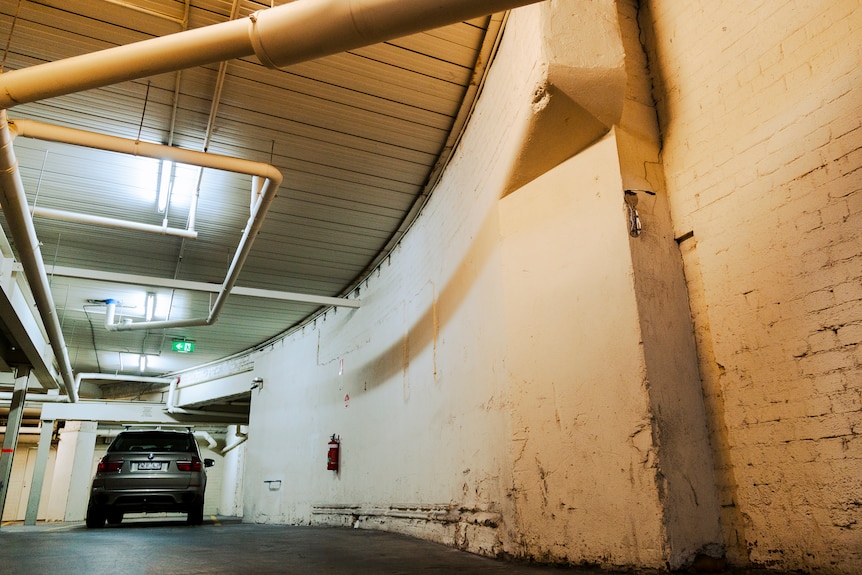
<point x="149" y="471"/>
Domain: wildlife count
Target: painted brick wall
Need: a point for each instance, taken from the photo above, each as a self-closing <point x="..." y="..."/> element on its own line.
<point x="760" y="105"/>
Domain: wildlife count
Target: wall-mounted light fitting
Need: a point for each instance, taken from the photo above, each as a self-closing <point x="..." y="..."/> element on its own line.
<point x="631" y="199"/>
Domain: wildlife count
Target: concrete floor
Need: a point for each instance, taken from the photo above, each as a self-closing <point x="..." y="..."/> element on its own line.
<point x="166" y="546"/>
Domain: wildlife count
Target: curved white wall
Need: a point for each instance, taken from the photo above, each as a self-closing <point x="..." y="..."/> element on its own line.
<point x="422" y="361"/>
<point x="492" y="392"/>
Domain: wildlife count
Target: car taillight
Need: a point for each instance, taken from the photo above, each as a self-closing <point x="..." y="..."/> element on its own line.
<point x="193" y="465"/>
<point x="109" y="465"/>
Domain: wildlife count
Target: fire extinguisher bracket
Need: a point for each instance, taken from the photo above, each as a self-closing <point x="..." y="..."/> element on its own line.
<point x="333" y="453"/>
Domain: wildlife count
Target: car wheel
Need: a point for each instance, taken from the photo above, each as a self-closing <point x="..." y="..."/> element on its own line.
<point x="196" y="514"/>
<point x="114" y="517"/>
<point x="95" y="517"/>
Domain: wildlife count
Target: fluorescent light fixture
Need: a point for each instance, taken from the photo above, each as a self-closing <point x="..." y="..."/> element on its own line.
<point x="166" y="180"/>
<point x="149" y="306"/>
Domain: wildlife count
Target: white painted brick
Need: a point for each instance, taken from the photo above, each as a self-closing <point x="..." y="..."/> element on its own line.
<point x="847" y="402"/>
<point x="850" y="334"/>
<point x="835" y="448"/>
<point x="845" y="250"/>
<point x="850" y="291"/>
<point x="788" y="193"/>
<point x="854" y="201"/>
<point x="823" y="340"/>
<point x="820" y="299"/>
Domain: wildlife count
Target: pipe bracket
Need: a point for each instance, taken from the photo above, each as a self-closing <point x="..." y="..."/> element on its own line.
<point x="257" y="44"/>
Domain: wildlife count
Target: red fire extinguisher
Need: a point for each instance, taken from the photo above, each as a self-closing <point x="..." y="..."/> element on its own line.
<point x="333" y="453"/>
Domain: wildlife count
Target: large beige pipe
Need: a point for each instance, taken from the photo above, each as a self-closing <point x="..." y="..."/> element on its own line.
<point x="280" y="36"/>
<point x="52" y="133"/>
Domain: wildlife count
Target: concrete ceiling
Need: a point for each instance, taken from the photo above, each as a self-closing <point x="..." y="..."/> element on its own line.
<point x="359" y="136"/>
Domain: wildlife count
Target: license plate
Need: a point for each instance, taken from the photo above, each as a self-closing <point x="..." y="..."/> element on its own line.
<point x="149" y="466"/>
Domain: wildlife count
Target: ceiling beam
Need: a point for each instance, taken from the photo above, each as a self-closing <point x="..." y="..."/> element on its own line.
<point x="132" y="412"/>
<point x="22" y="332"/>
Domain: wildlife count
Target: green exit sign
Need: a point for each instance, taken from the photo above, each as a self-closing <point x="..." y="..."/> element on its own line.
<point x="183" y="346"/>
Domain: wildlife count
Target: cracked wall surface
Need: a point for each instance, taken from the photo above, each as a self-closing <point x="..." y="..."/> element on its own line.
<point x="585" y="469"/>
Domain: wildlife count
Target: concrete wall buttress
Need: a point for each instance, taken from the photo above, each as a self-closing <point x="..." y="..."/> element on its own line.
<point x="686" y="467"/>
<point x="582" y="442"/>
<point x="580" y="94"/>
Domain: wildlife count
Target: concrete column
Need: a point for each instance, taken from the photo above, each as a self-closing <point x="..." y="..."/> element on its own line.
<point x="72" y="471"/>
<point x="10" y="440"/>
<point x="232" y="473"/>
<point x="39" y="473"/>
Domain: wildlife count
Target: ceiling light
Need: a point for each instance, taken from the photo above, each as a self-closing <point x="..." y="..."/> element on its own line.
<point x="166" y="180"/>
<point x="150" y="306"/>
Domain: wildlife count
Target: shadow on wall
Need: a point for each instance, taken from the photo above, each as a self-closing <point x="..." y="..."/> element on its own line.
<point x="422" y="335"/>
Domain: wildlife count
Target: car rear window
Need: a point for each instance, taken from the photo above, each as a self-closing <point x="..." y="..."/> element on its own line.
<point x="177" y="442"/>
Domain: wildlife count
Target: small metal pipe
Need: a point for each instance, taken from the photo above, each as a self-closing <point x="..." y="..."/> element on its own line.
<point x="235" y="444"/>
<point x="65" y="216"/>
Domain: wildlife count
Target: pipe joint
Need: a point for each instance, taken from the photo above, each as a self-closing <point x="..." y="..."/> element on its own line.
<point x="254" y="37"/>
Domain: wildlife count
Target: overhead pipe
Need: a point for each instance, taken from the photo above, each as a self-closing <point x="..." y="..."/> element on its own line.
<point x="279" y="36"/>
<point x="52" y="133"/>
<point x="66" y="216"/>
<point x="211" y="442"/>
<point x="36" y="397"/>
<point x="188" y="285"/>
<point x="23" y="430"/>
<point x="228" y="448"/>
<point x="239" y="437"/>
<point x="252" y="228"/>
<point x="13" y="200"/>
<point x="265" y="182"/>
<point x="32" y="129"/>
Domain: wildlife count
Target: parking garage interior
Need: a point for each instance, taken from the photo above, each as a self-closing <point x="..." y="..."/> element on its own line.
<point x="549" y="283"/>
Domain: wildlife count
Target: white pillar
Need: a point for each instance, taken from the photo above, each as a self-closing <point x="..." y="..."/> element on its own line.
<point x="10" y="439"/>
<point x="72" y="472"/>
<point x="232" y="473"/>
<point x="39" y="472"/>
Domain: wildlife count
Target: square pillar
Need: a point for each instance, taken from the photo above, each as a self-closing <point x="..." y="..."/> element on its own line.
<point x="73" y="470"/>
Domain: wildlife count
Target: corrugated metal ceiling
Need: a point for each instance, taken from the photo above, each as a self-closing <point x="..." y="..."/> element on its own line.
<point x="359" y="136"/>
